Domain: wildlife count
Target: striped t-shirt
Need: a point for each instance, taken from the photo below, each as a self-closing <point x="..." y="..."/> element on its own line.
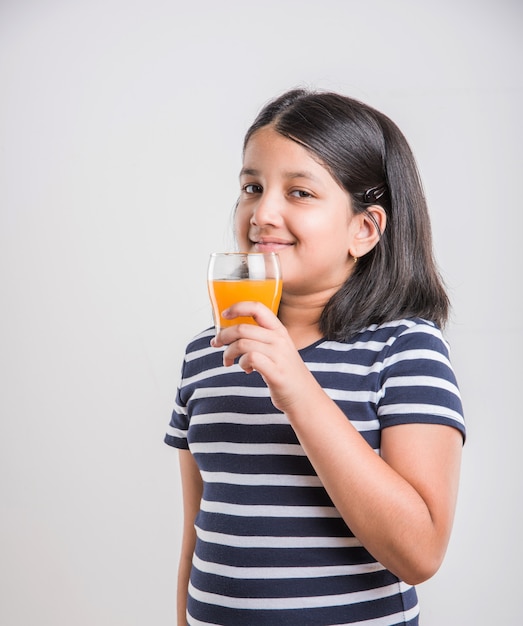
<point x="271" y="547"/>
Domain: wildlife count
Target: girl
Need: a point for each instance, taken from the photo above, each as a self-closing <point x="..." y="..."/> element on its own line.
<point x="320" y="450"/>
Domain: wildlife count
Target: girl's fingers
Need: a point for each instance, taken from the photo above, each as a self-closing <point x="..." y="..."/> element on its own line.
<point x="264" y="318"/>
<point x="262" y="315"/>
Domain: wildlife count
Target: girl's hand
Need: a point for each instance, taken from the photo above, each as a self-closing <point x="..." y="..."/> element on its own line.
<point x="266" y="348"/>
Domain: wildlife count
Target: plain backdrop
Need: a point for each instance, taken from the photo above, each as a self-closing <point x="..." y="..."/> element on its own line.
<point x="121" y="125"/>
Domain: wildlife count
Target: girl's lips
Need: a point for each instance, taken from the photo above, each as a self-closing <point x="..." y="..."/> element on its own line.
<point x="270" y="246"/>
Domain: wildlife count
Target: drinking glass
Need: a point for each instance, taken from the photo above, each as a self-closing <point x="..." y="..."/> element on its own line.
<point x="240" y="276"/>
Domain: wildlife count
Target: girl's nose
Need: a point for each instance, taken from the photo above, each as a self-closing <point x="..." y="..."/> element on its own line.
<point x="266" y="212"/>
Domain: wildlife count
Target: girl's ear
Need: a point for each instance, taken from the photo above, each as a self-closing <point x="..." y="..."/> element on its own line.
<point x="371" y="224"/>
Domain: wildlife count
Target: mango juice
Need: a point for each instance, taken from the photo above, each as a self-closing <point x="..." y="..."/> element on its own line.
<point x="224" y="293"/>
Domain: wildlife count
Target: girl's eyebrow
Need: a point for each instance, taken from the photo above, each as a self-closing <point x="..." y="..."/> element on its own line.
<point x="247" y="171"/>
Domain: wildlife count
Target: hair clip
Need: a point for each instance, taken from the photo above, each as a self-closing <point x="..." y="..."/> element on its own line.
<point x="374" y="193"/>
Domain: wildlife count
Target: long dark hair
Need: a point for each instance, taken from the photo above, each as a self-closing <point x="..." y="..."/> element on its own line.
<point x="370" y="158"/>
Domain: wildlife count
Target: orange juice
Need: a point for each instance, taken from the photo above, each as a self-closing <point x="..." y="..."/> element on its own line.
<point x="224" y="293"/>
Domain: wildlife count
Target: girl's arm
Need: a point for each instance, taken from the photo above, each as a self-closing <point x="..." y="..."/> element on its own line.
<point x="400" y="505"/>
<point x="192" y="493"/>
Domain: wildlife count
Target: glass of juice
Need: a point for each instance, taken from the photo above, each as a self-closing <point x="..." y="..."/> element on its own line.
<point x="243" y="276"/>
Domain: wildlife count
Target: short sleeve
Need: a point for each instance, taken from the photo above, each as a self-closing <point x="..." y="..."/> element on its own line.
<point x="418" y="382"/>
<point x="176" y="435"/>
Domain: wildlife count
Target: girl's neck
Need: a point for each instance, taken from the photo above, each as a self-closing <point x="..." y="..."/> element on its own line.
<point x="301" y="321"/>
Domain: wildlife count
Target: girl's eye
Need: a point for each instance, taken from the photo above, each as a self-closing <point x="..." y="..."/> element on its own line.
<point x="252" y="188"/>
<point x="301" y="193"/>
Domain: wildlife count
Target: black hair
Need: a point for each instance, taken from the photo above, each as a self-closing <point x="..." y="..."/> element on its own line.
<point x="370" y="158"/>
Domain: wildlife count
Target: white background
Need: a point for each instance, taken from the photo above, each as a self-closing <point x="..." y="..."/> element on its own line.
<point x="121" y="125"/>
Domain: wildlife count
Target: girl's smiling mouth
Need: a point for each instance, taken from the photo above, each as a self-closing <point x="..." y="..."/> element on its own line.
<point x="270" y="244"/>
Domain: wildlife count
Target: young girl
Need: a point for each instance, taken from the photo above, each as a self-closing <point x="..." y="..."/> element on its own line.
<point x="320" y="449"/>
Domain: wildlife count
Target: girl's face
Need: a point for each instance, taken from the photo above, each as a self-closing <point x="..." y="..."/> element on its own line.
<point x="290" y="204"/>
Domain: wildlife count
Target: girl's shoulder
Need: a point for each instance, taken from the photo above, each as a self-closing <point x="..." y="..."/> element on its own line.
<point x="383" y="346"/>
<point x="200" y="341"/>
<point x="378" y="337"/>
<point x="406" y="333"/>
<point x="200" y="355"/>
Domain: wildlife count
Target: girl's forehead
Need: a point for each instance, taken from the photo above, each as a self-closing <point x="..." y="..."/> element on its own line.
<point x="271" y="157"/>
<point x="267" y="148"/>
<point x="267" y="140"/>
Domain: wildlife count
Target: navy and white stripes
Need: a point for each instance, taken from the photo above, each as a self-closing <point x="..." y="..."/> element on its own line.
<point x="271" y="547"/>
